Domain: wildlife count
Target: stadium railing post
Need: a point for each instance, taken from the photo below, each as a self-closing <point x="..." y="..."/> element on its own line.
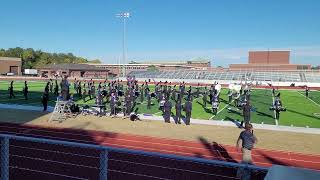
<point x="103" y="164"/>
<point x="4" y="158"/>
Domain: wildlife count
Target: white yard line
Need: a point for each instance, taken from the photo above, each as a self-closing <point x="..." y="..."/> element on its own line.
<point x="221" y="109"/>
<point x="308" y="98"/>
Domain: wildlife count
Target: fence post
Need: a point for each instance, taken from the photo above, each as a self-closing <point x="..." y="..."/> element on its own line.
<point x="103" y="164"/>
<point x="4" y="158"/>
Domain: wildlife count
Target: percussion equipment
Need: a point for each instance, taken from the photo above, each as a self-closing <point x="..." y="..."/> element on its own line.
<point x="104" y="93"/>
<point x="215" y="105"/>
<point x="278" y="108"/>
<point x="137" y="93"/>
<point x="153" y="95"/>
<point x="120" y="93"/>
<point x="162" y="103"/>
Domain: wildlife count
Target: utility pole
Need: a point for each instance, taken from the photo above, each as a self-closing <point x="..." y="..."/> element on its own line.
<point x="124" y="16"/>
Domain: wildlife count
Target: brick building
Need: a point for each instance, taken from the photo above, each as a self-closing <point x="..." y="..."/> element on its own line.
<point x="73" y="70"/>
<point x="10" y="65"/>
<point x="269" y="60"/>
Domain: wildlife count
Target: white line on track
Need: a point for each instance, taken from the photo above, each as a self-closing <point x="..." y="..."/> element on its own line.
<point x="77" y="134"/>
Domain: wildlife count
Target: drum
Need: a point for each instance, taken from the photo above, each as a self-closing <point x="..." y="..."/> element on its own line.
<point x="104" y="93"/>
<point x="162" y="103"/>
<point x="153" y="95"/>
<point x="120" y="93"/>
<point x="137" y="93"/>
<point x="215" y="105"/>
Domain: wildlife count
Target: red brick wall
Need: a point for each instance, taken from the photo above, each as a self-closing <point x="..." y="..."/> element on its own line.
<point x="5" y="66"/>
<point x="269" y="57"/>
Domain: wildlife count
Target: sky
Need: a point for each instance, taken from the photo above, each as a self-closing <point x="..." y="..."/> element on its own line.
<point x="222" y="31"/>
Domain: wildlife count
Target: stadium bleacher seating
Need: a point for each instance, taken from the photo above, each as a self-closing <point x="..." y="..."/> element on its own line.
<point x="275" y="76"/>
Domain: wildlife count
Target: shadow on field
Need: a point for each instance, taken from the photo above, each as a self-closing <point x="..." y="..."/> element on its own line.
<point x="21" y="116"/>
<point x="216" y="150"/>
<point x="34" y="98"/>
<point x="234" y="121"/>
<point x="259" y="113"/>
<point x="303" y="114"/>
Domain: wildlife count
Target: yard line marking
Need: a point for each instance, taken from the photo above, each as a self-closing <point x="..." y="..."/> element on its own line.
<point x="221" y="109"/>
<point x="274" y="111"/>
<point x="308" y="98"/>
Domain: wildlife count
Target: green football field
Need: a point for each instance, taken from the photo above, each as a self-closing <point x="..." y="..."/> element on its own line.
<point x="301" y="111"/>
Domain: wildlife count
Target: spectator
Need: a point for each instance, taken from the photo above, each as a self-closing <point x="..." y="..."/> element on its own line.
<point x="248" y="140"/>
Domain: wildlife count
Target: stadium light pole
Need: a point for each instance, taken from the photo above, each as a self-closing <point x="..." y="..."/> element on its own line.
<point x="124" y="16"/>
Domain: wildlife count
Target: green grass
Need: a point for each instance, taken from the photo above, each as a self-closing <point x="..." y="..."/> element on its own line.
<point x="300" y="110"/>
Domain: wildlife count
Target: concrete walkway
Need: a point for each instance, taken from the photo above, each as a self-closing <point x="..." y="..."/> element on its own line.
<point x="25" y="107"/>
<point x="193" y="121"/>
<point x="237" y="124"/>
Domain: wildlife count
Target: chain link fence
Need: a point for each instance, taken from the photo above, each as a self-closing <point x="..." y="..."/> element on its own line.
<point x="38" y="158"/>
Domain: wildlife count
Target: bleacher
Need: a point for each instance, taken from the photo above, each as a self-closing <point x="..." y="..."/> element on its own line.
<point x="275" y="76"/>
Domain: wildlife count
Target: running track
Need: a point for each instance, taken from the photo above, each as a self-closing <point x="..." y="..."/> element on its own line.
<point x="42" y="161"/>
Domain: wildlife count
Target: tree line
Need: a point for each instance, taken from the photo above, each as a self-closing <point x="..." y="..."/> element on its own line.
<point x="36" y="58"/>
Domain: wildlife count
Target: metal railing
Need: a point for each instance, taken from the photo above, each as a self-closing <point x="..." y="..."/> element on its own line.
<point x="104" y="158"/>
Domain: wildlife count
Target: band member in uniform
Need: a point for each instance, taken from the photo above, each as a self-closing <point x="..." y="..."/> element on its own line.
<point x="51" y="86"/>
<point x="75" y="84"/>
<point x="178" y="107"/>
<point x="45" y="97"/>
<point x="161" y="104"/>
<point x="93" y="90"/>
<point x="89" y="90"/>
<point x="189" y="94"/>
<point x="11" y="91"/>
<point x="167" y="110"/>
<point x="204" y="97"/>
<point x="215" y="103"/>
<point x="273" y="91"/>
<point x="278" y="106"/>
<point x="188" y="109"/>
<point x="173" y="94"/>
<point x="198" y="91"/>
<point x="307" y="91"/>
<point x="84" y="94"/>
<point x="26" y="90"/>
<point x="236" y="97"/>
<point x="129" y="100"/>
<point x="65" y="88"/>
<point x="148" y="100"/>
<point x="229" y="96"/>
<point x="246" y="109"/>
<point x="113" y="102"/>
<point x="79" y="90"/>
<point x="141" y="93"/>
<point x="56" y="88"/>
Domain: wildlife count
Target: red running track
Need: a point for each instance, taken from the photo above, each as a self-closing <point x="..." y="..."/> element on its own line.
<point x="202" y="148"/>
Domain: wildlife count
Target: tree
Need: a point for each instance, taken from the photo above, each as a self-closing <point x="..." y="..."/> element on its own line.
<point x="95" y="61"/>
<point x="36" y="58"/>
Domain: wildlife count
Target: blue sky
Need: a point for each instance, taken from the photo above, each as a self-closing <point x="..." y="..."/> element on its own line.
<point x="220" y="30"/>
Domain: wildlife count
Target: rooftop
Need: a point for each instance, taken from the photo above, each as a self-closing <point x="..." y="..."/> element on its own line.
<point x="9" y="59"/>
<point x="71" y="66"/>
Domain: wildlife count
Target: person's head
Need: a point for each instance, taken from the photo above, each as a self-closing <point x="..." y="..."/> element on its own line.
<point x="248" y="127"/>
